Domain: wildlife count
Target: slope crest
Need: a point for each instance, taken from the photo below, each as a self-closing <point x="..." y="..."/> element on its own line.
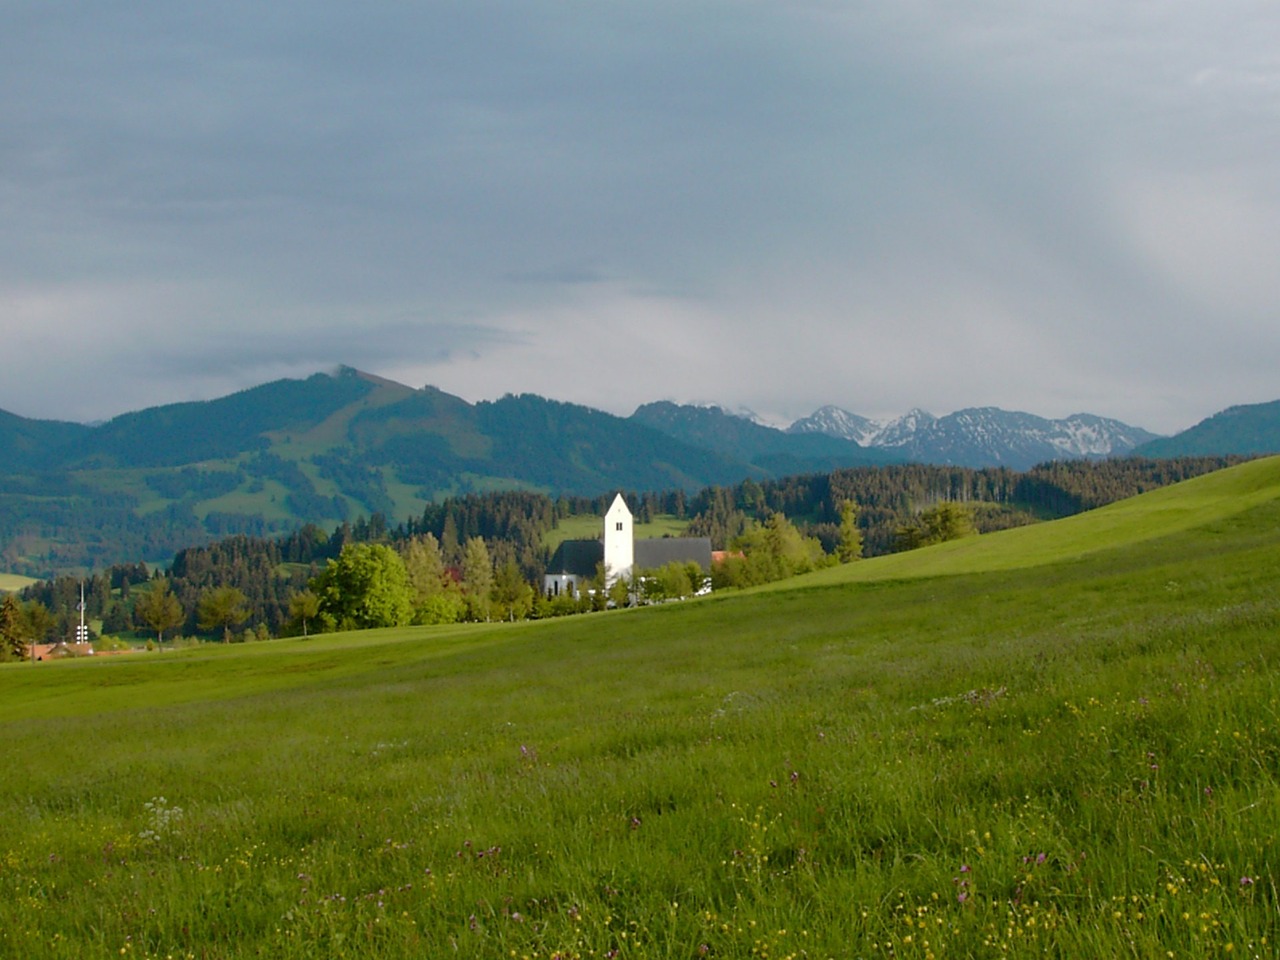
<point x="1149" y="516"/>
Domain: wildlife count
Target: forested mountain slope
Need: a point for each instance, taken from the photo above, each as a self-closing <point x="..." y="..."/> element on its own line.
<point x="1251" y="429"/>
<point x="335" y="447"/>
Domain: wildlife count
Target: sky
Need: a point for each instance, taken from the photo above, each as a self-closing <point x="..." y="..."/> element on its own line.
<point x="773" y="206"/>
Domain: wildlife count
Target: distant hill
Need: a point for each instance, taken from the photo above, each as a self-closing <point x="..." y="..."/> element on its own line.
<point x="774" y="452"/>
<point x="228" y="427"/>
<point x="980" y="436"/>
<point x="25" y="444"/>
<point x="334" y="446"/>
<point x="323" y="450"/>
<point x="1247" y="429"/>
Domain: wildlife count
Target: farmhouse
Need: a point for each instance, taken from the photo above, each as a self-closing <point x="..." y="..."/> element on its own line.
<point x="576" y="561"/>
<point x="57" y="651"/>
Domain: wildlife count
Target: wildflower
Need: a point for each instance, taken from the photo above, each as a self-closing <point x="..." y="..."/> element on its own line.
<point x="1246" y="881"/>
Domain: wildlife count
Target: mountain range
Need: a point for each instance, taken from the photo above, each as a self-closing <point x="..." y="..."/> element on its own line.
<point x="980" y="437"/>
<point x="335" y="446"/>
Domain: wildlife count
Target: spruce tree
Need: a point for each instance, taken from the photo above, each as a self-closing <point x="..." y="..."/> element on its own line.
<point x="850" y="546"/>
<point x="13" y="629"/>
<point x="477" y="577"/>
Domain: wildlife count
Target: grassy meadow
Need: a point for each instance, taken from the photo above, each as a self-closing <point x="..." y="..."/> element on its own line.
<point x="1056" y="741"/>
<point x="12" y="582"/>
<point x="589" y="527"/>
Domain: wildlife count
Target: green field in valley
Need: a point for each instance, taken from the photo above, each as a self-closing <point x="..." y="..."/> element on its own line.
<point x="588" y="527"/>
<point x="12" y="582"/>
<point x="1061" y="740"/>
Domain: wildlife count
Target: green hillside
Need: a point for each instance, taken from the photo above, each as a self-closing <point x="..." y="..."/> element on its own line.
<point x="1193" y="503"/>
<point x="24" y="443"/>
<point x="1245" y="429"/>
<point x="322" y="450"/>
<point x="1053" y="741"/>
<point x="11" y="582"/>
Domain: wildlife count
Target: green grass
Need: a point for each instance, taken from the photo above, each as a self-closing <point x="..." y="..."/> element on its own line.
<point x="269" y="502"/>
<point x="1140" y="519"/>
<point x="408" y="504"/>
<point x="992" y="751"/>
<point x="589" y="528"/>
<point x="13" y="582"/>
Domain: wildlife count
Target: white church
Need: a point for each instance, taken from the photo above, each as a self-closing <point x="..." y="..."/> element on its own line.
<point x="575" y="561"/>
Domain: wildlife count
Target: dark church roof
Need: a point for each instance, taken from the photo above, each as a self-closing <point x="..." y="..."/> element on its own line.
<point x="580" y="558"/>
<point x="651" y="554"/>
<point x="577" y="557"/>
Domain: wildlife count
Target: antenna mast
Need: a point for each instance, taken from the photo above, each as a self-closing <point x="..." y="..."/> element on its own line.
<point x="82" y="632"/>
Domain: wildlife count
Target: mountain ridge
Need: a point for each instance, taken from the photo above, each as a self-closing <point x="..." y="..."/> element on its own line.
<point x="1251" y="428"/>
<point x="332" y="446"/>
<point x="980" y="436"/>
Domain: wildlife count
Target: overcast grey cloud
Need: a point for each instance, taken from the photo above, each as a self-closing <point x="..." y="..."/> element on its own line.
<point x="1032" y="205"/>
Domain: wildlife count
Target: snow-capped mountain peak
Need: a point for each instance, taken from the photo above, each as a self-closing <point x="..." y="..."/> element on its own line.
<point x="835" y="422"/>
<point x="980" y="436"/>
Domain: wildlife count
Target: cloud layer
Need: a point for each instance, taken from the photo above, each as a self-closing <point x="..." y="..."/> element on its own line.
<point x="771" y="205"/>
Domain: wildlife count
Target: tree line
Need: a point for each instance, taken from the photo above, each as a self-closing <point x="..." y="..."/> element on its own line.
<point x="482" y="556"/>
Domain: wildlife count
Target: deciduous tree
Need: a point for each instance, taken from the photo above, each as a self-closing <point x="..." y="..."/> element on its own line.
<point x="366" y="586"/>
<point x="512" y="595"/>
<point x="304" y="606"/>
<point x="159" y="609"/>
<point x="222" y="607"/>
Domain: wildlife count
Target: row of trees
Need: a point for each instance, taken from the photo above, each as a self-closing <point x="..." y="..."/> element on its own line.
<point x="476" y="556"/>
<point x="31" y="621"/>
<point x="366" y="585"/>
<point x="374" y="585"/>
<point x="377" y="585"/>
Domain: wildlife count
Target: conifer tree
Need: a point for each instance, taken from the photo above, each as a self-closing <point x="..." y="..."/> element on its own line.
<point x="13" y="629"/>
<point x="850" y="546"/>
<point x="424" y="563"/>
<point x="477" y="577"/>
